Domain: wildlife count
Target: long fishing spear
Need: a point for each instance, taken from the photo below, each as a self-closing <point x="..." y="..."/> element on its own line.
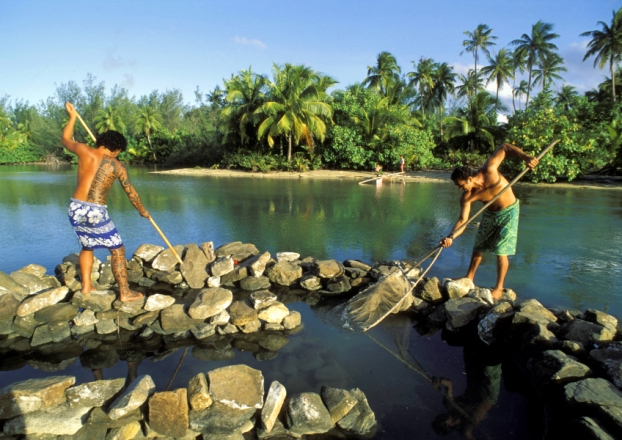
<point x="150" y="219"/>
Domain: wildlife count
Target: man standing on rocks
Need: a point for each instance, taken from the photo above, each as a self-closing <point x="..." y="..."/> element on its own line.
<point x="498" y="230"/>
<point x="98" y="168"/>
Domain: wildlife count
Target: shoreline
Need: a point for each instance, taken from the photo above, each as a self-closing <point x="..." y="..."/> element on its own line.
<point x="588" y="182"/>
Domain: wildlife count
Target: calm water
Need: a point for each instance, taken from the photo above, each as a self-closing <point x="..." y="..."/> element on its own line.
<point x="569" y="252"/>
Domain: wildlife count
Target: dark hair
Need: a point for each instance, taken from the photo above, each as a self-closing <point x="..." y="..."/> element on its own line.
<point x="113" y="140"/>
<point x="463" y="173"/>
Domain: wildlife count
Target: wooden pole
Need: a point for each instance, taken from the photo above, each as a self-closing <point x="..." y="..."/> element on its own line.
<point x="380" y="177"/>
<point x="150" y="219"/>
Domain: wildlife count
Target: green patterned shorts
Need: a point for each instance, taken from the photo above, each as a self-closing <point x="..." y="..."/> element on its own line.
<point x="498" y="231"/>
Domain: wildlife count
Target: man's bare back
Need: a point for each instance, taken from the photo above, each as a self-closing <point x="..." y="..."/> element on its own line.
<point x="98" y="168"/>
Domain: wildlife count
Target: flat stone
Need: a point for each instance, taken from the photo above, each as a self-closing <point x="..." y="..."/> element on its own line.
<point x="85" y="318"/>
<point x="251" y="327"/>
<point x="534" y="306"/>
<point x="147" y="252"/>
<point x="41" y="300"/>
<point x="257" y="264"/>
<point x="284" y="273"/>
<point x="198" y="393"/>
<point x="431" y="291"/>
<point x="174" y="319"/>
<point x="208" y="250"/>
<point x="56" y="313"/>
<point x="166" y="261"/>
<point x="168" y="412"/>
<point x="8" y="306"/>
<point x="173" y="277"/>
<point x="126" y="432"/>
<point x="274" y="313"/>
<point x="221" y="266"/>
<point x="311" y="282"/>
<point x="307" y="415"/>
<point x="146" y="318"/>
<point x="87" y="432"/>
<point x="31" y="282"/>
<point x="98" y="301"/>
<point x="194" y="267"/>
<point x="213" y="282"/>
<point x="461" y="311"/>
<point x="287" y="256"/>
<point x="134" y="396"/>
<point x="33" y="395"/>
<point x="585" y="332"/>
<point x="262" y="298"/>
<point x="253" y="283"/>
<point x="555" y="367"/>
<point x="210" y="302"/>
<point x="338" y="402"/>
<point x="25" y="326"/>
<point x="62" y="420"/>
<point x="203" y="330"/>
<point x="42" y="335"/>
<point x="219" y="420"/>
<point x="221" y="318"/>
<point x="34" y="269"/>
<point x="241" y="314"/>
<point x="328" y="268"/>
<point x="13" y="286"/>
<point x="272" y="406"/>
<point x="106" y="326"/>
<point x="600" y="318"/>
<point x="356" y="264"/>
<point x="158" y="301"/>
<point x="593" y="392"/>
<point x="237" y="386"/>
<point x="237" y="250"/>
<point x="93" y="394"/>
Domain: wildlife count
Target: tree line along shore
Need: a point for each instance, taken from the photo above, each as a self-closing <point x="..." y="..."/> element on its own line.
<point x="298" y="119"/>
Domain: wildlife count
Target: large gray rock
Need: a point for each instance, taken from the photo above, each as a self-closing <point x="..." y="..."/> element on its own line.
<point x="25" y="326"/>
<point x="328" y="268"/>
<point x="33" y="395"/>
<point x="166" y="260"/>
<point x="210" y="302"/>
<point x="31" y="282"/>
<point x="237" y="386"/>
<point x="174" y="319"/>
<point x="238" y="273"/>
<point x="458" y="288"/>
<point x="11" y="285"/>
<point x="220" y="421"/>
<point x="585" y="332"/>
<point x="98" y="301"/>
<point x="8" y="306"/>
<point x="356" y="264"/>
<point x="600" y="318"/>
<point x="534" y="306"/>
<point x="254" y="283"/>
<point x="554" y="367"/>
<point x="461" y="311"/>
<point x="593" y="392"/>
<point x="62" y="420"/>
<point x="85" y="318"/>
<point x="272" y="407"/>
<point x="106" y="277"/>
<point x="173" y="277"/>
<point x="610" y="361"/>
<point x="361" y="418"/>
<point x="257" y="264"/>
<point x="134" y="396"/>
<point x="147" y="252"/>
<point x="194" y="268"/>
<point x="287" y="256"/>
<point x="338" y="402"/>
<point x="311" y="282"/>
<point x="431" y="292"/>
<point x="92" y="394"/>
<point x="495" y="321"/>
<point x="262" y="298"/>
<point x="56" y="313"/>
<point x="339" y="285"/>
<point x="292" y="320"/>
<point x="538" y="338"/>
<point x="41" y="300"/>
<point x="237" y="250"/>
<point x="168" y="412"/>
<point x="208" y="250"/>
<point x="284" y="273"/>
<point x="42" y="335"/>
<point x="241" y="314"/>
<point x="307" y="415"/>
<point x="222" y="266"/>
<point x="34" y="269"/>
<point x="274" y="313"/>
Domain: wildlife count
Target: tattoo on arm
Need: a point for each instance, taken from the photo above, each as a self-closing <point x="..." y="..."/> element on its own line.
<point x="130" y="191"/>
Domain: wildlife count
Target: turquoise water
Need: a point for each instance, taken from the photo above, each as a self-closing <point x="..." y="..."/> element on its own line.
<point x="568" y="256"/>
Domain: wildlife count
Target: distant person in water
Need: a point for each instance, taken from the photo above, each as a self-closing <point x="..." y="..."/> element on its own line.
<point x="402" y="164"/>
<point x="498" y="230"/>
<point x="98" y="168"/>
<point x="378" y="170"/>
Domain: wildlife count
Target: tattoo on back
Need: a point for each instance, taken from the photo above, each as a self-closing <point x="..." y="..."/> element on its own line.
<point x="105" y="176"/>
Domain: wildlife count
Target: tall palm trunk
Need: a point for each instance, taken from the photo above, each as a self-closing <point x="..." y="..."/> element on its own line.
<point x="513" y="87"/>
<point x="151" y="146"/>
<point x="289" y="148"/>
<point x="613" y="79"/>
<point x="528" y="88"/>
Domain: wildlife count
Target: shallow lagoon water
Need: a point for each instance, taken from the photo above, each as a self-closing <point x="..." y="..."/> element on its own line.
<point x="568" y="256"/>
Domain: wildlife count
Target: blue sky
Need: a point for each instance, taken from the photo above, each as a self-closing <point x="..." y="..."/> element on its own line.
<point x="159" y="45"/>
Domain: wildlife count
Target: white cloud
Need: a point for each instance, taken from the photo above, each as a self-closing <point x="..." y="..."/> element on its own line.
<point x="128" y="81"/>
<point x="111" y="62"/>
<point x="253" y="42"/>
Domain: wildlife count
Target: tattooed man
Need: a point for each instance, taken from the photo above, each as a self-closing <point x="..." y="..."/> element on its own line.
<point x="98" y="168"/>
<point x="498" y="230"/>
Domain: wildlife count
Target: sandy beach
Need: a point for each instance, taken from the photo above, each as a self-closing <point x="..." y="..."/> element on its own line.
<point x="588" y="182"/>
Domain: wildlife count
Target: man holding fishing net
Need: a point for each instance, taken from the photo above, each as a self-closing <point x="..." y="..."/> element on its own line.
<point x="498" y="230"/>
<point x="98" y="168"/>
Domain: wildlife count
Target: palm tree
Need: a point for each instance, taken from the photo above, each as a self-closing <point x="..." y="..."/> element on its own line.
<point x="566" y="96"/>
<point x="148" y="122"/>
<point x="245" y="92"/>
<point x="108" y="119"/>
<point x="444" y="85"/>
<point x="521" y="89"/>
<point x="374" y="121"/>
<point x="470" y="85"/>
<point x="385" y="71"/>
<point x="500" y="69"/>
<point x="294" y="107"/>
<point x="548" y="70"/>
<point x="535" y="47"/>
<point x="518" y="66"/>
<point x="423" y="79"/>
<point x="480" y="38"/>
<point x="606" y="45"/>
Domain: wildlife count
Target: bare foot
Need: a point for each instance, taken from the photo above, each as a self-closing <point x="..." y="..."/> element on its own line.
<point x="87" y="290"/>
<point x="497" y="293"/>
<point x="130" y="296"/>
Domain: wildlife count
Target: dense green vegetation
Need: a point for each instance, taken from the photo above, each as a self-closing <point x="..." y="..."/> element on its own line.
<point x="289" y="120"/>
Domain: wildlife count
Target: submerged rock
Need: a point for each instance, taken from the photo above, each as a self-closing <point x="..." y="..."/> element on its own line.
<point x="338" y="402"/>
